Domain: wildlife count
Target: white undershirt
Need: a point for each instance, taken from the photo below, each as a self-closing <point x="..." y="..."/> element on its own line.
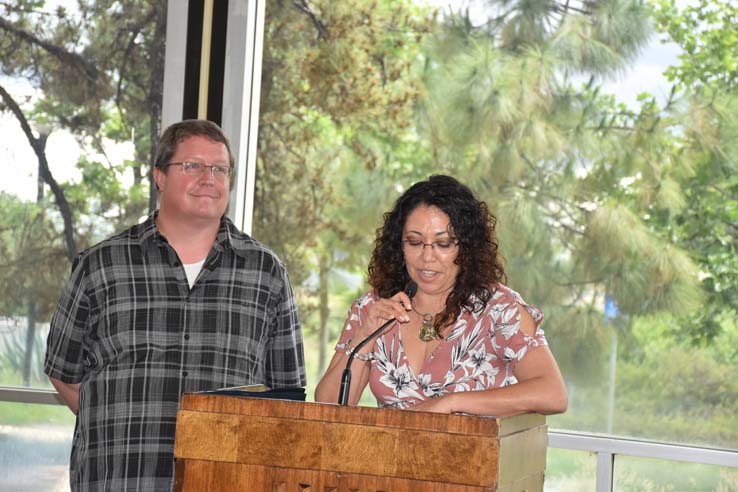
<point x="192" y="270"/>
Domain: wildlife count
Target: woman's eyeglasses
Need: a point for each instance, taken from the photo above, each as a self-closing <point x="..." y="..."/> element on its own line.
<point x="441" y="246"/>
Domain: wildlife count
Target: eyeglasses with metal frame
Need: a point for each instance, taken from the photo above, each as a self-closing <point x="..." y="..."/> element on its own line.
<point x="217" y="171"/>
<point x="441" y="246"/>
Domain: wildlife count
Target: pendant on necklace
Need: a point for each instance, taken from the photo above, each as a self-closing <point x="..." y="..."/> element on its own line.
<point x="427" y="332"/>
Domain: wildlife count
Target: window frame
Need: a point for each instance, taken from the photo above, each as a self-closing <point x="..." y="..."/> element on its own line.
<point x="241" y="102"/>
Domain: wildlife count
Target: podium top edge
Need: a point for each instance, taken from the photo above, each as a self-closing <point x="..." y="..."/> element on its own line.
<point x="381" y="417"/>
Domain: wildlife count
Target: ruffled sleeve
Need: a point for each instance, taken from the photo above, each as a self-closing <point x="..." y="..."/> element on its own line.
<point x="508" y="341"/>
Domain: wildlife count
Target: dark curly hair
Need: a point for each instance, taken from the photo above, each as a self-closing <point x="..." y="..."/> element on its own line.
<point x="480" y="266"/>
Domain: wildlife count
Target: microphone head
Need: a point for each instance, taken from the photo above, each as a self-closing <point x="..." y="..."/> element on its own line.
<point x="411" y="288"/>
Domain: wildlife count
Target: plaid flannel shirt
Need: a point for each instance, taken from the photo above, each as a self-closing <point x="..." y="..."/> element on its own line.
<point x="130" y="329"/>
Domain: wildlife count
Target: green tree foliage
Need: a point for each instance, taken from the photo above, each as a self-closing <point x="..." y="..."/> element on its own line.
<point x="96" y="68"/>
<point x="29" y="243"/>
<point x="336" y="95"/>
<point x="706" y="32"/>
<point x="596" y="198"/>
<point x="571" y="173"/>
<point x="99" y="68"/>
<point x="706" y="79"/>
<point x="33" y="262"/>
<point x="336" y="104"/>
<point x="590" y="193"/>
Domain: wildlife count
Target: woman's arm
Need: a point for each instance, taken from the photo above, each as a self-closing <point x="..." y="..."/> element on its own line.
<point x="540" y="387"/>
<point x="376" y="314"/>
<point x="329" y="386"/>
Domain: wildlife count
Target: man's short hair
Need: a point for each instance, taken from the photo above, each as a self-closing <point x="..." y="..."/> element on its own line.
<point x="177" y="132"/>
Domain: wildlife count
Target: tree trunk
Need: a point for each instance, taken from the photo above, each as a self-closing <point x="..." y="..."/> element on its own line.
<point x="31" y="327"/>
<point x="156" y="88"/>
<point x="30" y="342"/>
<point x="323" y="331"/>
<point x="39" y="148"/>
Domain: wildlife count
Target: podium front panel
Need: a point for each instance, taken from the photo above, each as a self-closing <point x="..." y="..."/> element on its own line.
<point x="230" y="443"/>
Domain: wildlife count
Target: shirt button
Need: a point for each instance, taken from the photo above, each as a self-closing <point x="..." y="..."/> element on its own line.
<point x="186" y="337"/>
<point x="184" y="373"/>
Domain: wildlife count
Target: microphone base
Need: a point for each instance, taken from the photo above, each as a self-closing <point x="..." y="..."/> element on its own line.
<point x="343" y="393"/>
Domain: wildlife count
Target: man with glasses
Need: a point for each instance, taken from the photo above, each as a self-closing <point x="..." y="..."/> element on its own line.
<point x="182" y="302"/>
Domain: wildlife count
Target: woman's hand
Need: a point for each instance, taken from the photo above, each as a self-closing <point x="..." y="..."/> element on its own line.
<point x="440" y="404"/>
<point x="382" y="311"/>
<point x="375" y="316"/>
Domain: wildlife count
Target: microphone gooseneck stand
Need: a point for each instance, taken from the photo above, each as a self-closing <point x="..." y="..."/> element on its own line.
<point x="410" y="289"/>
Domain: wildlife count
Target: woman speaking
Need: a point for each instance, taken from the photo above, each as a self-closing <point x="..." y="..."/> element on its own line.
<point x="464" y="342"/>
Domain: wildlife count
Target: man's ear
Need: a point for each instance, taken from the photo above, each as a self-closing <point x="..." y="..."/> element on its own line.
<point x="159" y="178"/>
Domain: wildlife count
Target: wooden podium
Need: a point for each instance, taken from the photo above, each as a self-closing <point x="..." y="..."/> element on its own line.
<point x="226" y="443"/>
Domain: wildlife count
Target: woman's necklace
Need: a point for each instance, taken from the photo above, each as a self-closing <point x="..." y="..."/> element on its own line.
<point x="427" y="333"/>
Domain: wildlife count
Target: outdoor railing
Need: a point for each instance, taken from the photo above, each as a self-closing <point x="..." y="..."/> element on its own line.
<point x="607" y="448"/>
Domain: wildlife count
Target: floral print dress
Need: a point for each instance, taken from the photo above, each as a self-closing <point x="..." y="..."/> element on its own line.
<point x="479" y="353"/>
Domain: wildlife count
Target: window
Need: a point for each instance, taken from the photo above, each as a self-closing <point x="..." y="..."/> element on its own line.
<point x="80" y="97"/>
<point x="594" y="194"/>
<point x="616" y="218"/>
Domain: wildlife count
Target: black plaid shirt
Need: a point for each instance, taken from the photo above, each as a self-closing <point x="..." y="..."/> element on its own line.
<point x="132" y="332"/>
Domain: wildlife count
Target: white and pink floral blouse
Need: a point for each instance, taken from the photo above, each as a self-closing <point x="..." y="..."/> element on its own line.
<point x="479" y="353"/>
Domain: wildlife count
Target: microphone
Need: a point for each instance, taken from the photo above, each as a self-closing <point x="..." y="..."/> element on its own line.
<point x="410" y="289"/>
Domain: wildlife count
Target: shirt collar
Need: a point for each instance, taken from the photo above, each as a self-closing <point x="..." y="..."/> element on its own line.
<point x="149" y="235"/>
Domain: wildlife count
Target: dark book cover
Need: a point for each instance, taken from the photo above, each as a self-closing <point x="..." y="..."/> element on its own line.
<point x="260" y="391"/>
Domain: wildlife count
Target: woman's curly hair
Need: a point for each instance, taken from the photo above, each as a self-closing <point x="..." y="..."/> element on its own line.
<point x="480" y="267"/>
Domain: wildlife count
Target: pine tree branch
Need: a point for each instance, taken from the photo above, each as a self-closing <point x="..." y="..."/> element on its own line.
<point x="14" y="8"/>
<point x="536" y="170"/>
<point x="563" y="15"/>
<point x="607" y="128"/>
<point x="567" y="7"/>
<point x="563" y="217"/>
<point x="122" y="69"/>
<point x="57" y="52"/>
<point x="721" y="192"/>
<point x="558" y="222"/>
<point x="133" y="32"/>
<point x="579" y="283"/>
<point x="282" y="138"/>
<point x="31" y="258"/>
<point x="304" y="7"/>
<point x="155" y="91"/>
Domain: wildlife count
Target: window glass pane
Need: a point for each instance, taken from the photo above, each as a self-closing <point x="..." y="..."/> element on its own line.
<point x="22" y="353"/>
<point x="650" y="475"/>
<point x="81" y="91"/>
<point x="35" y="442"/>
<point x="335" y="144"/>
<point x="570" y="471"/>
<point x="606" y="220"/>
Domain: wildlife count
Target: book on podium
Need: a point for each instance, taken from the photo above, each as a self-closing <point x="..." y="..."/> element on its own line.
<point x="259" y="391"/>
